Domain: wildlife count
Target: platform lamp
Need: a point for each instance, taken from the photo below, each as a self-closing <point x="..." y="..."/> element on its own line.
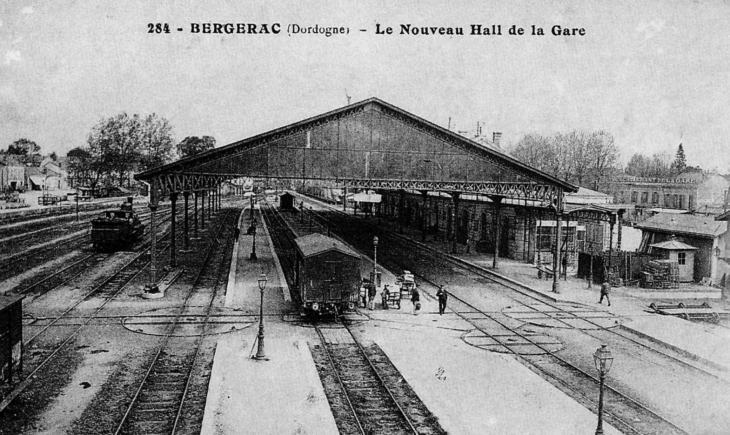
<point x="603" y="360"/>
<point x="253" y="256"/>
<point x="375" y="260"/>
<point x="260" y="354"/>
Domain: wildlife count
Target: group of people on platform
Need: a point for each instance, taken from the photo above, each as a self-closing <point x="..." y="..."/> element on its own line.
<point x="441" y="295"/>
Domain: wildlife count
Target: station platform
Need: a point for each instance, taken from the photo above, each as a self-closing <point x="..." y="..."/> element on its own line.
<point x="470" y="390"/>
<point x="699" y="341"/>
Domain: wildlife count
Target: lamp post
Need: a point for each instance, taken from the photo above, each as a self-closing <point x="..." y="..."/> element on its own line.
<point x="375" y="261"/>
<point x="253" y="256"/>
<point x="603" y="360"/>
<point x="260" y="355"/>
<point x="252" y="207"/>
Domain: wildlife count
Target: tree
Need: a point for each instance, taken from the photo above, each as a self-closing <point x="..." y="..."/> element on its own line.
<point x="23" y="147"/>
<point x="680" y="162"/>
<point x="122" y="143"/>
<point x="193" y="145"/>
<point x="577" y="156"/>
<point x="157" y="142"/>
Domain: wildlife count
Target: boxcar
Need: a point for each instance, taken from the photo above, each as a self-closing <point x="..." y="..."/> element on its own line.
<point x="11" y="336"/>
<point x="326" y="275"/>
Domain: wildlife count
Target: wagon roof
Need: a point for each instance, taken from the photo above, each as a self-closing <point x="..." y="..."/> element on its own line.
<point x="8" y="300"/>
<point x="315" y="244"/>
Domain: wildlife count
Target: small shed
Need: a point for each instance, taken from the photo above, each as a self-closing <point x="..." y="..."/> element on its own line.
<point x="11" y="336"/>
<point x="286" y="201"/>
<point x="681" y="253"/>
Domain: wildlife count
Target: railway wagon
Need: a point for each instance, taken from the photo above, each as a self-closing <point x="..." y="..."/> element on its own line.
<point x="116" y="228"/>
<point x="326" y="275"/>
<point x="11" y="336"/>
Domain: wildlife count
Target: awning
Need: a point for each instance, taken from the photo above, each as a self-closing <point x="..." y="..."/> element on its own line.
<point x="38" y="181"/>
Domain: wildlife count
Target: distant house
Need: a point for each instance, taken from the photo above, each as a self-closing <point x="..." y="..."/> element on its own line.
<point x="12" y="173"/>
<point x="698" y="231"/>
<point x="55" y="177"/>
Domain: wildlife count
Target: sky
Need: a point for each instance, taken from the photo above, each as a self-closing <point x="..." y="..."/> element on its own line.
<point x="653" y="73"/>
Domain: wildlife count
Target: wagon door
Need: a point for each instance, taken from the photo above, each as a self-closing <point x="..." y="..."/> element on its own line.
<point x="333" y="282"/>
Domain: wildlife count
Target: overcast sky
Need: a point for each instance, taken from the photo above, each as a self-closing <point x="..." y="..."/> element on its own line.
<point x="652" y="73"/>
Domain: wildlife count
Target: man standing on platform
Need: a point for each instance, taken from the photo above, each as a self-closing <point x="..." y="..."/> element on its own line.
<point x="442" y="296"/>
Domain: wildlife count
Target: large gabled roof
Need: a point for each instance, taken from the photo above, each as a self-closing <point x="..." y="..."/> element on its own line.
<point x="696" y="225"/>
<point x="189" y="164"/>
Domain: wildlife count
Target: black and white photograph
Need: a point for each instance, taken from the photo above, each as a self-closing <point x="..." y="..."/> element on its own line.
<point x="364" y="218"/>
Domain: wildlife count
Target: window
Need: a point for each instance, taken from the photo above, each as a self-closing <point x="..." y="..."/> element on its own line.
<point x="681" y="257"/>
<point x="667" y="201"/>
<point x="544" y="238"/>
<point x="655" y="198"/>
<point x="690" y="202"/>
<point x="681" y="201"/>
<point x="634" y="196"/>
<point x="644" y="197"/>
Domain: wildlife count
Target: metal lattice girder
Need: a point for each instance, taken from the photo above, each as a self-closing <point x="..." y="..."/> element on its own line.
<point x="529" y="191"/>
<point x="368" y="144"/>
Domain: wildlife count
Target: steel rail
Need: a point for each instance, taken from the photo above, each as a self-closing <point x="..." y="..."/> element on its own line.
<point x="168" y="336"/>
<point x="539" y="346"/>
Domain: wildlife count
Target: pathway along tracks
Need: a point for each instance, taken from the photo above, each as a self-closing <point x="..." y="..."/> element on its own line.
<point x="622" y="411"/>
<point x="109" y="288"/>
<point x="157" y="405"/>
<point x="367" y="394"/>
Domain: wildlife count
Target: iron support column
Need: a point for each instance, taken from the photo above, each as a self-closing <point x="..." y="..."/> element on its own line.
<point x="401" y="207"/>
<point x="556" y="257"/>
<point x="618" y="234"/>
<point x="424" y="194"/>
<point x="610" y="247"/>
<point x="558" y="204"/>
<point x="454" y="214"/>
<point x="186" y="233"/>
<point x="173" y="234"/>
<point x="497" y="200"/>
<point x="202" y="210"/>
<point x="153" y="247"/>
<point x="195" y="214"/>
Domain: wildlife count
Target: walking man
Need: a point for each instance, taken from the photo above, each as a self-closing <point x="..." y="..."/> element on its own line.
<point x="236" y="233"/>
<point x="442" y="296"/>
<point x="416" y="300"/>
<point x="605" y="291"/>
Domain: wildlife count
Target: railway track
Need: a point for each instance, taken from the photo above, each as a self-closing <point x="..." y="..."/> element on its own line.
<point x="157" y="405"/>
<point x="366" y="392"/>
<point x="38" y="254"/>
<point x="627" y="414"/>
<point x="108" y="289"/>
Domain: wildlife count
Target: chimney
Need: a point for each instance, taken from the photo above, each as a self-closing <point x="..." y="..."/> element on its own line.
<point x="496" y="136"/>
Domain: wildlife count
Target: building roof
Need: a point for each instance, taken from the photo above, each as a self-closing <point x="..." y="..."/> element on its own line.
<point x="703" y="226"/>
<point x="673" y="245"/>
<point x="315" y="244"/>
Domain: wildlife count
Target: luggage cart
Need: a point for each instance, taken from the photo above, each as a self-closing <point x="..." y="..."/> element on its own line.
<point x="701" y="312"/>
